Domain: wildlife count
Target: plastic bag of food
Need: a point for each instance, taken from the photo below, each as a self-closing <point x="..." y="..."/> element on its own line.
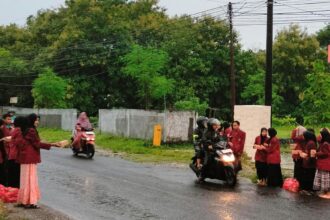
<point x="291" y="184"/>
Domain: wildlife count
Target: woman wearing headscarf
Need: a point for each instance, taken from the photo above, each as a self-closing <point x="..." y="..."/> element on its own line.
<point x="298" y="140"/>
<point x="83" y="123"/>
<point x="261" y="157"/>
<point x="3" y="179"/>
<point x="274" y="172"/>
<point x="28" y="156"/>
<point x="322" y="176"/>
<point x="307" y="174"/>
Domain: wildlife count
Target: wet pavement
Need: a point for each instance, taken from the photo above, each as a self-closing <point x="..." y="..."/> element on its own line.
<point x="112" y="188"/>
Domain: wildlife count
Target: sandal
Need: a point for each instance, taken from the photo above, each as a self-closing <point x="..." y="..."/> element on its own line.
<point x="31" y="207"/>
<point x="19" y="206"/>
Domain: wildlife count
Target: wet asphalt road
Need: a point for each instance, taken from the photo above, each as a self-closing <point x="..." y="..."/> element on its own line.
<point x="112" y="188"/>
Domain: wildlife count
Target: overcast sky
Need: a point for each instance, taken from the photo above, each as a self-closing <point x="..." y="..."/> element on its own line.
<point x="252" y="37"/>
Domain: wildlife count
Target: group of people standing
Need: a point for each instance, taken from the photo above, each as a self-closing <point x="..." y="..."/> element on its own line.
<point x="268" y="158"/>
<point x="310" y="153"/>
<point x="311" y="156"/>
<point x="20" y="146"/>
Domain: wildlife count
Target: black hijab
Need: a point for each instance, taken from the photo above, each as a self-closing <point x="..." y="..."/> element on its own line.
<point x="32" y="119"/>
<point x="309" y="136"/>
<point x="325" y="135"/>
<point x="22" y="123"/>
<point x="263" y="138"/>
<point x="272" y="133"/>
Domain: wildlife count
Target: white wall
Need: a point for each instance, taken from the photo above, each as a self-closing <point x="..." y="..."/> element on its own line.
<point x="252" y="119"/>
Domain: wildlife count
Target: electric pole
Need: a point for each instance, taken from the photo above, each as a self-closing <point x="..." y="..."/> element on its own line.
<point x="269" y="54"/>
<point x="232" y="63"/>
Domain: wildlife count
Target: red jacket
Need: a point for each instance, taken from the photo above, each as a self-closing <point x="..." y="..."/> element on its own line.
<point x="6" y="133"/>
<point x="273" y="151"/>
<point x="29" y="147"/>
<point x="237" y="137"/>
<point x="308" y="162"/>
<point x="12" y="147"/>
<point x="261" y="155"/>
<point x="299" y="141"/>
<point x="323" y="157"/>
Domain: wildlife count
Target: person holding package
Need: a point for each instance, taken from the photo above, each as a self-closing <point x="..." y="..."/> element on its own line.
<point x="274" y="172"/>
<point x="307" y="174"/>
<point x="322" y="176"/>
<point x="261" y="157"/>
<point x="298" y="139"/>
<point x="29" y="145"/>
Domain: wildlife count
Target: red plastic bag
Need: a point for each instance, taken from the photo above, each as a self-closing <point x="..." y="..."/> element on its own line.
<point x="291" y="184"/>
<point x="8" y="194"/>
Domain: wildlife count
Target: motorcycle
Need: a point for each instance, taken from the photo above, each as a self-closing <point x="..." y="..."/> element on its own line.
<point x="87" y="144"/>
<point x="220" y="164"/>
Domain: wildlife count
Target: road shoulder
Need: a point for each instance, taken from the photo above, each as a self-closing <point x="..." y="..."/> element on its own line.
<point x="43" y="213"/>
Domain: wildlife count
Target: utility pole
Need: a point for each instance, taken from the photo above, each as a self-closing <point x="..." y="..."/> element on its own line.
<point x="269" y="54"/>
<point x="232" y="63"/>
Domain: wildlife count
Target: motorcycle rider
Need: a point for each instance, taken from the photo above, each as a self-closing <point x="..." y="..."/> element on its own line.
<point x="198" y="136"/>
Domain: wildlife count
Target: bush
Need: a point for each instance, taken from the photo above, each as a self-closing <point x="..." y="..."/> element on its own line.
<point x="286" y="121"/>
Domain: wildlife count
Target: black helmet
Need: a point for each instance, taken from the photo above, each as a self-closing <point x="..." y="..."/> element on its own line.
<point x="202" y="121"/>
<point x="225" y="125"/>
<point x="213" y="121"/>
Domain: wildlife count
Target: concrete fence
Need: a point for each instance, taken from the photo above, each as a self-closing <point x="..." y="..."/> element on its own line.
<point x="177" y="126"/>
<point x="52" y="118"/>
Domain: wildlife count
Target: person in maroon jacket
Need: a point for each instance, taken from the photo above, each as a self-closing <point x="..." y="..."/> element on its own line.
<point x="274" y="174"/>
<point x="308" y="169"/>
<point x="237" y="142"/>
<point x="2" y="155"/>
<point x="298" y="139"/>
<point x="322" y="176"/>
<point x="261" y="157"/>
<point x="29" y="145"/>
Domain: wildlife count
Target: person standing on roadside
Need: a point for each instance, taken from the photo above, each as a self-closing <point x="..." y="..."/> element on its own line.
<point x="237" y="142"/>
<point x="322" y="176"/>
<point x="29" y="145"/>
<point x="261" y="157"/>
<point x="274" y="176"/>
<point x="3" y="179"/>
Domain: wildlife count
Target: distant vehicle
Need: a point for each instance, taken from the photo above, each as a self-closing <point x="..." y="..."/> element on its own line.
<point x="87" y="144"/>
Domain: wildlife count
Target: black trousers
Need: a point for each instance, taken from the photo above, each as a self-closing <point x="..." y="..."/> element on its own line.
<point x="262" y="170"/>
<point x="13" y="173"/>
<point x="306" y="178"/>
<point x="3" y="174"/>
<point x="274" y="177"/>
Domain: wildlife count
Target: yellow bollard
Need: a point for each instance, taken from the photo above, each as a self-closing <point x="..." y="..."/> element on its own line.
<point x="157" y="135"/>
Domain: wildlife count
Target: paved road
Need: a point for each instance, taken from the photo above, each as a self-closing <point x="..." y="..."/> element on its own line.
<point x="112" y="188"/>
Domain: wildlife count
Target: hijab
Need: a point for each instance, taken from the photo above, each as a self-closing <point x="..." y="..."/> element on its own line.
<point x="325" y="135"/>
<point x="263" y="138"/>
<point x="83" y="121"/>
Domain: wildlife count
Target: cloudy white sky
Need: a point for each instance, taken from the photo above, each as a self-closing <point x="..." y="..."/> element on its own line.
<point x="252" y="37"/>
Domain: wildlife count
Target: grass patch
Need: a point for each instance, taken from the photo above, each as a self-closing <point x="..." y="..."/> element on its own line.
<point x="3" y="211"/>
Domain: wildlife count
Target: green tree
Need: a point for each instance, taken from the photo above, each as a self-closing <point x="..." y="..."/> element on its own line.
<point x="49" y="90"/>
<point x="192" y="104"/>
<point x="316" y="98"/>
<point x="294" y="54"/>
<point x="323" y="36"/>
<point x="145" y="65"/>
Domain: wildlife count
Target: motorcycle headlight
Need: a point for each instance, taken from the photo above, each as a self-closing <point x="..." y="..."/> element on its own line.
<point x="228" y="158"/>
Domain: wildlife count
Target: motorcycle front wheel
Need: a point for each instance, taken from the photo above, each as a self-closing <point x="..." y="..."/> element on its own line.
<point x="231" y="177"/>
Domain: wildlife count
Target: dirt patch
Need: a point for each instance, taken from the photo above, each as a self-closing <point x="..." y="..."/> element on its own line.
<point x="43" y="213"/>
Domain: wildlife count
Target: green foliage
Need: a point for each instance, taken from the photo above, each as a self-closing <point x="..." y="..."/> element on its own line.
<point x="323" y="36"/>
<point x="49" y="90"/>
<point x="294" y="54"/>
<point x="316" y="98"/>
<point x="282" y="122"/>
<point x="193" y="104"/>
<point x="145" y="65"/>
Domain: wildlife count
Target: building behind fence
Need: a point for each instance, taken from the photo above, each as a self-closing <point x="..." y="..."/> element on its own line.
<point x="177" y="126"/>
<point x="51" y="118"/>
